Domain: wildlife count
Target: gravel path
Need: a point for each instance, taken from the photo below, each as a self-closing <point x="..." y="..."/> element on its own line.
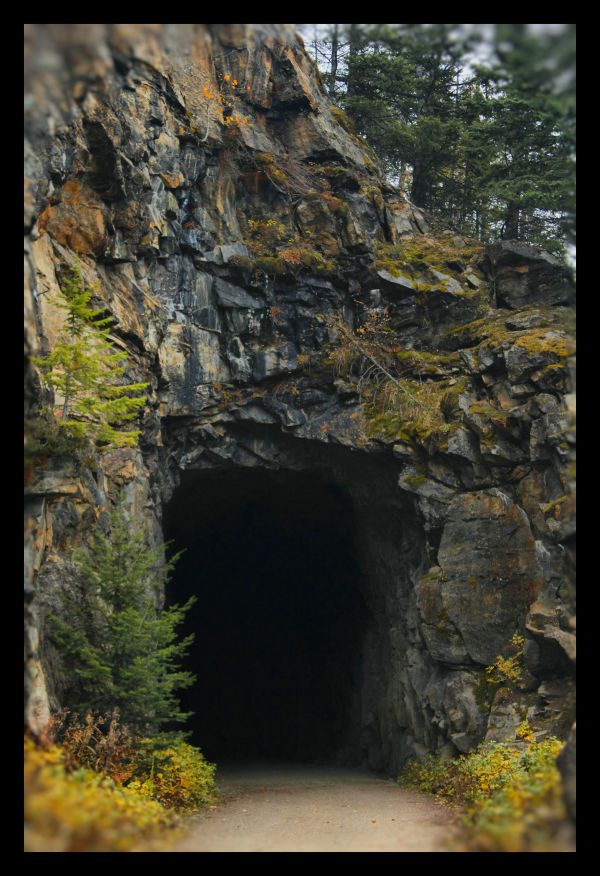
<point x="299" y="808"/>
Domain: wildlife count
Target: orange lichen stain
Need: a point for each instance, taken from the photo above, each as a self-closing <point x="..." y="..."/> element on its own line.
<point x="172" y="181"/>
<point x="77" y="221"/>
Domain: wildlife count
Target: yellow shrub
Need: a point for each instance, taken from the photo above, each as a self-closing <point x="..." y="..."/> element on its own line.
<point x="178" y="776"/>
<point x="513" y="795"/>
<point x="508" y="670"/>
<point x="85" y="811"/>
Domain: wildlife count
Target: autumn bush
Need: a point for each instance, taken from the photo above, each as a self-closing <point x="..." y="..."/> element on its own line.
<point x="177" y="776"/>
<point x="508" y="670"/>
<point x="91" y="785"/>
<point x="511" y="793"/>
<point x="96" y="742"/>
<point x="80" y="810"/>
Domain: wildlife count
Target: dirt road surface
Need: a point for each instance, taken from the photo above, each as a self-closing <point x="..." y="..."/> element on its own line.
<point x="299" y="808"/>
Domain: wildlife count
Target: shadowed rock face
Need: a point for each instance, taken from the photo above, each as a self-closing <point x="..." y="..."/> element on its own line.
<point x="223" y="250"/>
<point x="525" y="275"/>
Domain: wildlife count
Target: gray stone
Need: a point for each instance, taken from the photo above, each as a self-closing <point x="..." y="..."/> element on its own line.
<point x="401" y="281"/>
<point x="232" y="296"/>
<point x="521" y="363"/>
<point x="524" y="274"/>
<point x="506" y="714"/>
<point x="472" y="279"/>
<point x="238" y="360"/>
<point x="489" y="571"/>
<point x="270" y="362"/>
<point x="446" y="282"/>
<point x="346" y="390"/>
<point x="441" y="635"/>
<point x="462" y="443"/>
<point x="253" y="413"/>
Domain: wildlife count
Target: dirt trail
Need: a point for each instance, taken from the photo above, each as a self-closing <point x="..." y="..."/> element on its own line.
<point x="299" y="808"/>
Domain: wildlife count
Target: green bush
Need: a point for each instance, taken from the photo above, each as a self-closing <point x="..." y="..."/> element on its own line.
<point x="44" y="438"/>
<point x="91" y="785"/>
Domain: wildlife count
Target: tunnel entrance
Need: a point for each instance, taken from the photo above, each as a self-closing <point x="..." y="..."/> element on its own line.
<point x="279" y="620"/>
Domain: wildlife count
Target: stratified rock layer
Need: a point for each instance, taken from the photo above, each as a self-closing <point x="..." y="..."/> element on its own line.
<point x="225" y="250"/>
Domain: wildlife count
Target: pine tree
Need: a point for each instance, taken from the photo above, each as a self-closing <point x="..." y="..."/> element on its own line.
<point x="489" y="148"/>
<point x="85" y="371"/>
<point x="117" y="648"/>
<point x="402" y="93"/>
<point x="529" y="123"/>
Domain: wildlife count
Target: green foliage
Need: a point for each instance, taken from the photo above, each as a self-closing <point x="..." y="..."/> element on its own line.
<point x="488" y="148"/>
<point x="401" y="93"/>
<point x="45" y="438"/>
<point x="512" y="793"/>
<point x="163" y="767"/>
<point x="97" y="742"/>
<point x="117" y="648"/>
<point x="85" y="372"/>
<point x="527" y="129"/>
<point x="421" y="252"/>
<point x="399" y="404"/>
<point x="412" y="411"/>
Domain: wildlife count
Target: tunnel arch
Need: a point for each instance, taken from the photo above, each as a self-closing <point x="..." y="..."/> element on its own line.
<point x="354" y="518"/>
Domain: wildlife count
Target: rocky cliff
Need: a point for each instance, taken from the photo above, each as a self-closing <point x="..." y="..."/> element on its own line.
<point x="241" y="236"/>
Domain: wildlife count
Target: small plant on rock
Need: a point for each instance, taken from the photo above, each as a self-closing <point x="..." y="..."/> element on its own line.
<point x="508" y="670"/>
<point x="85" y="370"/>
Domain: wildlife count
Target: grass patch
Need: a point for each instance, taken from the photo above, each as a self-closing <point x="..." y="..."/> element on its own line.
<point x="541" y="341"/>
<point x="398" y="407"/>
<point x="417" y="412"/>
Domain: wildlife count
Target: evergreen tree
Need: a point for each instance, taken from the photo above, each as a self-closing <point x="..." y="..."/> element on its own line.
<point x="489" y="149"/>
<point x="118" y="649"/>
<point x="528" y="124"/>
<point x="85" y="371"/>
<point x="402" y="83"/>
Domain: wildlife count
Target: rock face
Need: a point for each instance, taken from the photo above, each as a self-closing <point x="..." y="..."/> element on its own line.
<point x="524" y="274"/>
<point x="225" y="241"/>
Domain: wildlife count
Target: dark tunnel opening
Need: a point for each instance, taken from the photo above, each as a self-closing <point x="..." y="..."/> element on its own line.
<point x="279" y="619"/>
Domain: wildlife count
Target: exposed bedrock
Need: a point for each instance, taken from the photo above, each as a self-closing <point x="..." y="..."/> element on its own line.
<point x="231" y="257"/>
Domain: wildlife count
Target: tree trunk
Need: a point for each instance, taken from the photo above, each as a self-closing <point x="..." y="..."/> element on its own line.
<point x="511" y="221"/>
<point x="465" y="198"/>
<point x="353" y="46"/>
<point x="335" y="42"/>
<point x="420" y="186"/>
